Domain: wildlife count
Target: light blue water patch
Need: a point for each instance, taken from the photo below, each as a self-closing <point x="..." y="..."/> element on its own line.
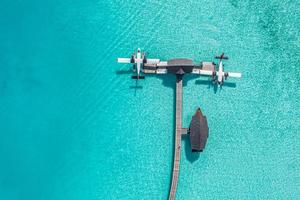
<point x="73" y="128"/>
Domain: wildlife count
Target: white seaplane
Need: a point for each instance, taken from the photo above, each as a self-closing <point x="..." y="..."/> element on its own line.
<point x="138" y="59"/>
<point x="219" y="75"/>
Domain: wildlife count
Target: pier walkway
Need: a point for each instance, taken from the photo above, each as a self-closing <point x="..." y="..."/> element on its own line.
<point x="178" y="132"/>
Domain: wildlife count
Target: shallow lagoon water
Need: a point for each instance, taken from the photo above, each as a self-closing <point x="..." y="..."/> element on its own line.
<point x="73" y="128"/>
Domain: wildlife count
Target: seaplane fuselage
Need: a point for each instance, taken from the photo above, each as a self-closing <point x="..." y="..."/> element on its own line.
<point x="138" y="61"/>
<point x="220" y="73"/>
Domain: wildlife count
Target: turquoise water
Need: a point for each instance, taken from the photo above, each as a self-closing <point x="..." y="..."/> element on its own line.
<point x="71" y="128"/>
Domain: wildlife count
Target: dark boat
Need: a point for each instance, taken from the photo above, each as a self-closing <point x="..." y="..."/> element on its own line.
<point x="198" y="131"/>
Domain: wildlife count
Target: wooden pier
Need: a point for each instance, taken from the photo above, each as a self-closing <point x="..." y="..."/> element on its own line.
<point x="179" y="67"/>
<point x="178" y="132"/>
<point x="198" y="129"/>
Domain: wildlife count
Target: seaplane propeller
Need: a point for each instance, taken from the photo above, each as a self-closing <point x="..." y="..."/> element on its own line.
<point x="138" y="59"/>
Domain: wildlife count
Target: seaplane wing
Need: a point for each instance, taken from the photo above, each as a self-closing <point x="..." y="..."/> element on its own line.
<point x="231" y="74"/>
<point x="203" y="72"/>
<point x="123" y="60"/>
<point x="153" y="61"/>
<point x="234" y="74"/>
<point x="138" y="60"/>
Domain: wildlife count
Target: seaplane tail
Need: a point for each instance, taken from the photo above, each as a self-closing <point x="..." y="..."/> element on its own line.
<point x="222" y="57"/>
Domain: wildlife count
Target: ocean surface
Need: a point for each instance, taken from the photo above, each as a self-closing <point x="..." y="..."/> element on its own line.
<point x="73" y="128"/>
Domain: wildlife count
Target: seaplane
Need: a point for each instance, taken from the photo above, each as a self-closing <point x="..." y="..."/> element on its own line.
<point x="218" y="76"/>
<point x="138" y="59"/>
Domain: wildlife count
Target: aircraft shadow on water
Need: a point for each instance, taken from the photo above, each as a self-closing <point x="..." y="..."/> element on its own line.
<point x="210" y="84"/>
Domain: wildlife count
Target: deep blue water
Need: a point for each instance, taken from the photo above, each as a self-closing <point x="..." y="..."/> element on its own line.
<point x="71" y="128"/>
